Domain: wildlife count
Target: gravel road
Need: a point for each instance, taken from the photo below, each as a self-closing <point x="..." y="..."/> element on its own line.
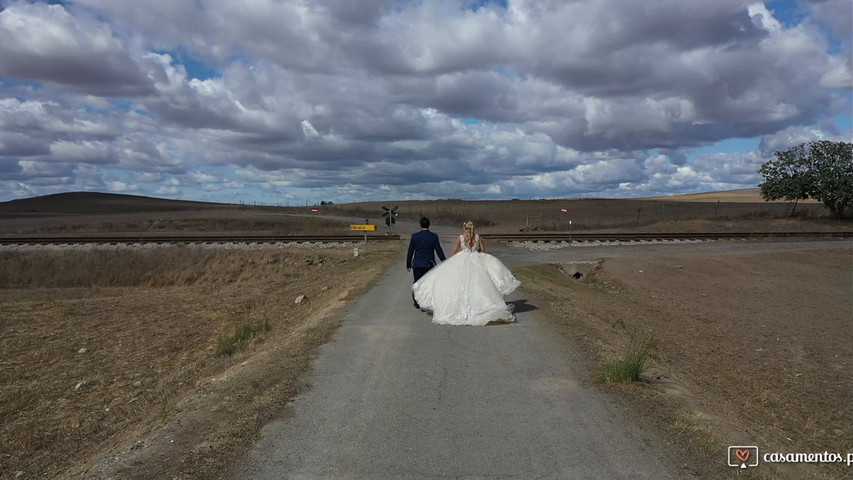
<point x="393" y="396"/>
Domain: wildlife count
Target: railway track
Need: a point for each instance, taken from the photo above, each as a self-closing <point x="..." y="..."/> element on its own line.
<point x="517" y="237"/>
<point x="639" y="237"/>
<point x="204" y="239"/>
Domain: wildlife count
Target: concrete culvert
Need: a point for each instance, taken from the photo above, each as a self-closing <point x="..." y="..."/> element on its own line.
<point x="578" y="270"/>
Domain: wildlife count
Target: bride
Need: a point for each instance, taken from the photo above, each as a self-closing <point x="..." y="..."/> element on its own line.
<point x="467" y="288"/>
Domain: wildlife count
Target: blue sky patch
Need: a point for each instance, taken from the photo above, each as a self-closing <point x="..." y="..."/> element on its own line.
<point x="196" y="68"/>
<point x="729" y="145"/>
<point x="478" y="4"/>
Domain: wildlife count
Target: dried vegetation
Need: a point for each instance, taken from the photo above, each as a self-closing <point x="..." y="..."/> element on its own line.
<point x="100" y="347"/>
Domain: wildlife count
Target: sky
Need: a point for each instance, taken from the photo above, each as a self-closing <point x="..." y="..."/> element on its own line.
<point x="296" y="102"/>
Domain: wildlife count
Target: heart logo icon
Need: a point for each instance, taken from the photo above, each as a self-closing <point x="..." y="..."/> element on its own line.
<point x="743" y="455"/>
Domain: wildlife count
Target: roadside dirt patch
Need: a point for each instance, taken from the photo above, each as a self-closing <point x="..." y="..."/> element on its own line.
<point x="101" y="372"/>
<point x="754" y="349"/>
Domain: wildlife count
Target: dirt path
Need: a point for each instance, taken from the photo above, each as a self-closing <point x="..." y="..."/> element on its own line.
<point x="395" y="396"/>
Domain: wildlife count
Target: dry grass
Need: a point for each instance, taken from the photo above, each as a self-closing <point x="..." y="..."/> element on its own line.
<point x="100" y="347"/>
<point x="754" y="349"/>
<point x="746" y="195"/>
<point x="633" y="363"/>
<point x="227" y="220"/>
<point x="605" y="214"/>
<point x="154" y="268"/>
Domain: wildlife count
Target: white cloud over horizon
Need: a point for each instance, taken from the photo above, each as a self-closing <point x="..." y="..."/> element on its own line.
<point x="302" y="101"/>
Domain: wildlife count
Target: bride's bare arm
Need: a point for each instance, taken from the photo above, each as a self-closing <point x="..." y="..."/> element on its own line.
<point x="456" y="247"/>
<point x="482" y="245"/>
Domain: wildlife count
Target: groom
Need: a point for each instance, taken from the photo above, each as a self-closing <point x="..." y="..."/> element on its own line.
<point x="421" y="255"/>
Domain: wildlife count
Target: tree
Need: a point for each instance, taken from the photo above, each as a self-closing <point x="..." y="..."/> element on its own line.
<point x="821" y="170"/>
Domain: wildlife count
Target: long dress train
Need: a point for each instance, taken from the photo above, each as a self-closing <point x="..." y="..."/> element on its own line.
<point x="467" y="289"/>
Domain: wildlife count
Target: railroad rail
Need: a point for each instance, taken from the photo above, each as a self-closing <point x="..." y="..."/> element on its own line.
<point x="518" y="237"/>
<point x="638" y="237"/>
<point x="208" y="239"/>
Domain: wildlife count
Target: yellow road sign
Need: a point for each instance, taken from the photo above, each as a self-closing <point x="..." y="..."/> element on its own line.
<point x="367" y="227"/>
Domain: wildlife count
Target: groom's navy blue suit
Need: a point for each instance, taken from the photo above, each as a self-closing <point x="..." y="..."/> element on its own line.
<point x="420" y="258"/>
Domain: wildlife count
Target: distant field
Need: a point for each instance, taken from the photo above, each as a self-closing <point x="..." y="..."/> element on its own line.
<point x="93" y="213"/>
<point x="747" y="195"/>
<point x="231" y="221"/>
<point x="593" y="214"/>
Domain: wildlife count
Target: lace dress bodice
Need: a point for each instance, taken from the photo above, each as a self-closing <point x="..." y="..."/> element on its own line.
<point x="475" y="248"/>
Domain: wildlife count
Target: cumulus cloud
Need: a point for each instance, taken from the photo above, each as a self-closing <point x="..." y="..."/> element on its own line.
<point x="415" y="99"/>
<point x="792" y="136"/>
<point x="837" y="15"/>
<point x="45" y="43"/>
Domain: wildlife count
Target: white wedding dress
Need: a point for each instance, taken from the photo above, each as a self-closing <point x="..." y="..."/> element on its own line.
<point x="467" y="289"/>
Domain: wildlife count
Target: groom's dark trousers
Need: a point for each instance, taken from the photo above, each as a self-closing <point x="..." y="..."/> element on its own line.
<point x="423" y="247"/>
<point x="419" y="272"/>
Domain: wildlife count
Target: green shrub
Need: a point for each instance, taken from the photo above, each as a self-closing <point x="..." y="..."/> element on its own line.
<point x="631" y="366"/>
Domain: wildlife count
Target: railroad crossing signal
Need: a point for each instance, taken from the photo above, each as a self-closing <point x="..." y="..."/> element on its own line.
<point x="390" y="215"/>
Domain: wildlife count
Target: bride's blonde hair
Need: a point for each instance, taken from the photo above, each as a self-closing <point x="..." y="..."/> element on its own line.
<point x="468" y="233"/>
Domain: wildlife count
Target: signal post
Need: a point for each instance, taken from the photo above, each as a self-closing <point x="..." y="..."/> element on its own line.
<point x="363" y="227"/>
